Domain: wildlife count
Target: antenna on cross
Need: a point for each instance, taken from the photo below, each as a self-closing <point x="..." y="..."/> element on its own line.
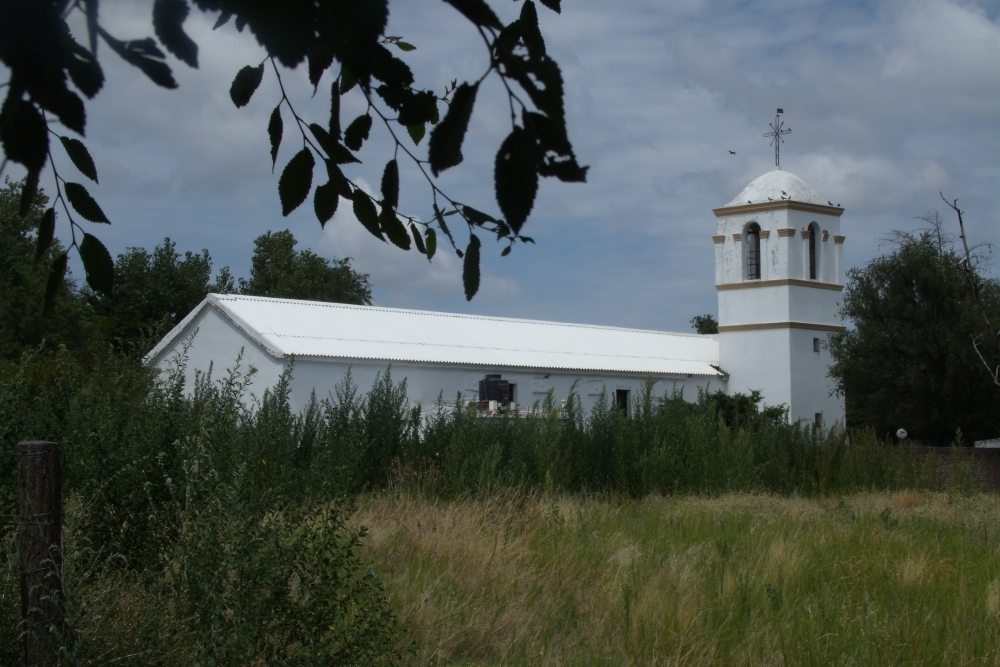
<point x="777" y="131"/>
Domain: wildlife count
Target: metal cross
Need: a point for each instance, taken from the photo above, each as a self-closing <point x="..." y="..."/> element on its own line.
<point x="776" y="132"/>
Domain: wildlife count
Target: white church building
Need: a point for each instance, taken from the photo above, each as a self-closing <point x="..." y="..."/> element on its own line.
<point x="778" y="271"/>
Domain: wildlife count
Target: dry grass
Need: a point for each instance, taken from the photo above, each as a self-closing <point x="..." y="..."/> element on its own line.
<point x="877" y="579"/>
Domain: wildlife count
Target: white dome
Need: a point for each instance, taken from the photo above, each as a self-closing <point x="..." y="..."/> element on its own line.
<point x="777" y="185"/>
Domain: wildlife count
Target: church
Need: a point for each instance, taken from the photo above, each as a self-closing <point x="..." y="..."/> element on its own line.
<point x="778" y="272"/>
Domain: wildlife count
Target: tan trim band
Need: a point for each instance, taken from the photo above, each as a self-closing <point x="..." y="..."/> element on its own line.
<point x="807" y="233"/>
<point x="786" y="232"/>
<point x="764" y="233"/>
<point x="780" y="325"/>
<point x="737" y="237"/>
<point x="776" y="206"/>
<point x="721" y="238"/>
<point x="838" y="239"/>
<point x="798" y="282"/>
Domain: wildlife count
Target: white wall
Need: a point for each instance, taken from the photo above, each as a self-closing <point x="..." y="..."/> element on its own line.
<point x="215" y="343"/>
<point x="218" y="341"/>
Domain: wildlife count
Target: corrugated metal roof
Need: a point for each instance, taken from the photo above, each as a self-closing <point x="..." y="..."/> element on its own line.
<point x="287" y="327"/>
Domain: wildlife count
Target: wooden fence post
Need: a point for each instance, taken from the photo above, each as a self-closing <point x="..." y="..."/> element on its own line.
<point x="39" y="545"/>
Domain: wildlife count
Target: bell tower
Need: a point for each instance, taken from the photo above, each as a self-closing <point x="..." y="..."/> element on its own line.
<point x="779" y="276"/>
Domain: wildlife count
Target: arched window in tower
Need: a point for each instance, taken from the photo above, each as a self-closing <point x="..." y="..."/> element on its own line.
<point x="752" y="237"/>
<point x="813" y="239"/>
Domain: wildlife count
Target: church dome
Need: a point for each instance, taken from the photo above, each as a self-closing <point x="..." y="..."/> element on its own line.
<point x="777" y="185"/>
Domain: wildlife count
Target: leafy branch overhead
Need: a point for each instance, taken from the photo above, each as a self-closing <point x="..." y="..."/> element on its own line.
<point x="347" y="39"/>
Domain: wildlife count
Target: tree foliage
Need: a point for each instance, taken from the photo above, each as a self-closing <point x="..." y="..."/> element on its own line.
<point x="50" y="69"/>
<point x="154" y="291"/>
<point x="24" y="269"/>
<point x="704" y="324"/>
<point x="909" y="361"/>
<point x="279" y="270"/>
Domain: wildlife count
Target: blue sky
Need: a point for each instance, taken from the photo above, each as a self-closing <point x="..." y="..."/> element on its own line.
<point x="888" y="102"/>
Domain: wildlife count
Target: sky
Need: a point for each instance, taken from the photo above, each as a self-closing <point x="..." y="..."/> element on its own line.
<point x="889" y="103"/>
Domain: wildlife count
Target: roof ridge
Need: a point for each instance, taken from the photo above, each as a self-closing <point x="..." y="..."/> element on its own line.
<point x="433" y="313"/>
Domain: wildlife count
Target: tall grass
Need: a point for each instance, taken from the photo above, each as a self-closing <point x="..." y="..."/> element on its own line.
<point x="905" y="578"/>
<point x="208" y="526"/>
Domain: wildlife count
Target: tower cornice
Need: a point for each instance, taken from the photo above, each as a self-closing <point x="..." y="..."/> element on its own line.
<point x="786" y="204"/>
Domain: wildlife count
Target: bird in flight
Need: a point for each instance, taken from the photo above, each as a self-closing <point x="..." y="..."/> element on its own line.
<point x="829" y="202"/>
<point x="770" y="199"/>
<point x="732" y="152"/>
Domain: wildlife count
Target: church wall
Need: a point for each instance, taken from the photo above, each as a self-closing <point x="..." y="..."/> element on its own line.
<point x="811" y="388"/>
<point x="425" y="382"/>
<point x="758" y="360"/>
<point x="215" y="342"/>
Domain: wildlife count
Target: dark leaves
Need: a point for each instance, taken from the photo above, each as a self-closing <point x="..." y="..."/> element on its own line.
<point x="478" y="12"/>
<point x="337" y="180"/>
<point x="84" y="204"/>
<point x="516" y="177"/>
<point x="80" y="156"/>
<point x="430" y="242"/>
<point x="364" y="211"/>
<point x="296" y="181"/>
<point x="144" y="54"/>
<point x="418" y="240"/>
<point x="389" y="69"/>
<point x="335" y="109"/>
<point x="83" y="70"/>
<point x="530" y="33"/>
<point x="334" y="149"/>
<point x="222" y="20"/>
<point x="357" y="132"/>
<point x="23" y="133"/>
<point x="28" y="191"/>
<point x="476" y="216"/>
<point x="446" y="140"/>
<point x="98" y="265"/>
<point x="325" y="202"/>
<point x="390" y="184"/>
<point x="393" y="228"/>
<point x="245" y="84"/>
<point x="55" y="280"/>
<point x="416" y="132"/>
<point x="274" y="129"/>
<point x="553" y="5"/>
<point x="168" y="17"/>
<point x="470" y="268"/>
<point x="46" y="231"/>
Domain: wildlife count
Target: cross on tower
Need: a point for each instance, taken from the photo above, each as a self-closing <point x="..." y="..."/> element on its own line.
<point x="776" y="132"/>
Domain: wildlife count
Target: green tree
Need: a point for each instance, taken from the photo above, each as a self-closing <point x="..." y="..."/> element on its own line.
<point x="152" y="292"/>
<point x="705" y="324"/>
<point x="23" y="281"/>
<point x="278" y="270"/>
<point x="39" y="49"/>
<point x="909" y="361"/>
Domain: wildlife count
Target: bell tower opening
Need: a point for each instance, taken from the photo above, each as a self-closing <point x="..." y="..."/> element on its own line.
<point x="752" y="250"/>
<point x="813" y="239"/>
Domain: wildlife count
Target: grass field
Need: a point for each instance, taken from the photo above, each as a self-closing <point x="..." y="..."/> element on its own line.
<point x="872" y="579"/>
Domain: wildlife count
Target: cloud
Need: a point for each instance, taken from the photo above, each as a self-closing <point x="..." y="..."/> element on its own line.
<point x="888" y="103"/>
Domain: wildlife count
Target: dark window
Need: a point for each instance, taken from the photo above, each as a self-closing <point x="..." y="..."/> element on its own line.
<point x="813" y="249"/>
<point x="621" y="400"/>
<point x="753" y="252"/>
<point x="513" y="392"/>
